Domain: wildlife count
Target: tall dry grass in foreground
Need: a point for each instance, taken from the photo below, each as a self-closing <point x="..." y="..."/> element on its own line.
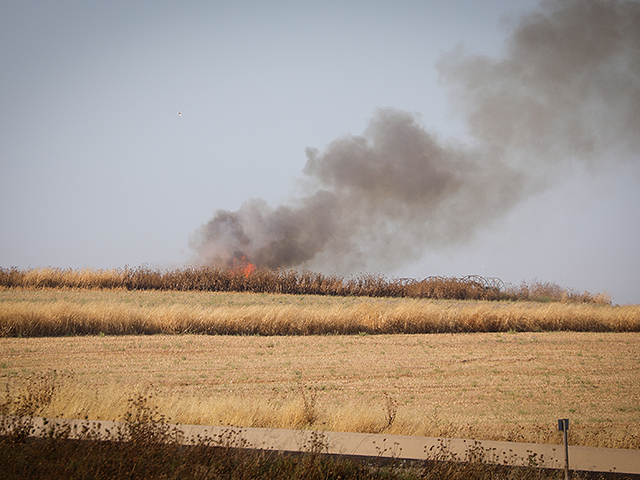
<point x="305" y="411"/>
<point x="213" y="279"/>
<point x="21" y="317"/>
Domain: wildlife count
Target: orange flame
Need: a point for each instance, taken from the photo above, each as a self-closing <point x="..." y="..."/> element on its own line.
<point x="243" y="265"/>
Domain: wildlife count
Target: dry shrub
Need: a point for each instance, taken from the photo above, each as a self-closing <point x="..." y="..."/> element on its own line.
<point x="24" y="400"/>
<point x="145" y="426"/>
<point x="244" y="279"/>
<point x="61" y="278"/>
<point x="31" y="395"/>
<point x="551" y="292"/>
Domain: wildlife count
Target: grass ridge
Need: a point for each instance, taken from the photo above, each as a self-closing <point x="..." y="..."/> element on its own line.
<point x="23" y="314"/>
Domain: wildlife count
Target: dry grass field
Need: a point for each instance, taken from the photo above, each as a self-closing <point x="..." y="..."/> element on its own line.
<point x="503" y="386"/>
<point x="500" y="370"/>
<point x="45" y="312"/>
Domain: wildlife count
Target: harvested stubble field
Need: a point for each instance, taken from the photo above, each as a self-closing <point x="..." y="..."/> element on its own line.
<point x="502" y="385"/>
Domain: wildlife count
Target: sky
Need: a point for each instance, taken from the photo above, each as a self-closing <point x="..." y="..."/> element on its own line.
<point x="406" y="138"/>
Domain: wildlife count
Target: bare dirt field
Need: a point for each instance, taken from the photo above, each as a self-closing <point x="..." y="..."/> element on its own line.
<point x="503" y="386"/>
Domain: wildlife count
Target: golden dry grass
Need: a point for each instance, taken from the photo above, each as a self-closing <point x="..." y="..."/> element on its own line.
<point x="116" y="312"/>
<point x="501" y="386"/>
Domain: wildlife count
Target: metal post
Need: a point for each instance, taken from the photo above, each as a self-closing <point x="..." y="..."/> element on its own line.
<point x="563" y="425"/>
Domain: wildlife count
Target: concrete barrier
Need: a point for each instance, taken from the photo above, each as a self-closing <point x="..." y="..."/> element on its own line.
<point x="365" y="445"/>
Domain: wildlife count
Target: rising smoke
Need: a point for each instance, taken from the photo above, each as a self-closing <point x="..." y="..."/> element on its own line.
<point x="566" y="92"/>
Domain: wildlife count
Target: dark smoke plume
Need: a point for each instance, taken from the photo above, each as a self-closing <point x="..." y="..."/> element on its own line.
<point x="567" y="91"/>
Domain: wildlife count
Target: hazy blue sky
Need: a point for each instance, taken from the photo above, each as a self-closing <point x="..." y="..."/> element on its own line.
<point x="99" y="170"/>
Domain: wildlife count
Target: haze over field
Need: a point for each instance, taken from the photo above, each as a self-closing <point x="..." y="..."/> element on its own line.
<point x="407" y="138"/>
